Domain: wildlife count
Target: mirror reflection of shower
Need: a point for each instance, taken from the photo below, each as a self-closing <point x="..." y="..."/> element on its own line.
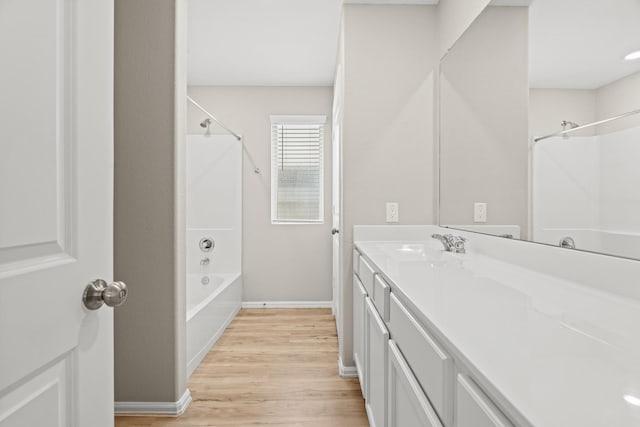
<point x="206" y="123"/>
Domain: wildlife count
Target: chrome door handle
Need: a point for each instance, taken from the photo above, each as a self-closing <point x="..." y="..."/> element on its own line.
<point x="99" y="292"/>
<point x="334" y="231"/>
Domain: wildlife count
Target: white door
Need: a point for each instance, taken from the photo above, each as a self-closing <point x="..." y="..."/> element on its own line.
<point x="56" y="174"/>
<point x="336" y="189"/>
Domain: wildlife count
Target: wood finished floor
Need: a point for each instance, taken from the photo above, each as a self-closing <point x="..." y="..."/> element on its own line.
<point x="273" y="367"/>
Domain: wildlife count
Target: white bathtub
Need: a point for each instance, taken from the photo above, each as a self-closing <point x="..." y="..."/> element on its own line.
<point x="210" y="309"/>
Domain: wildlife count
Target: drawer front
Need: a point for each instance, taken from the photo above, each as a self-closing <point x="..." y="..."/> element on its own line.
<point x="381" y="291"/>
<point x="431" y="365"/>
<point x="356" y="262"/>
<point x="474" y="408"/>
<point x="366" y="274"/>
<point x="359" y="342"/>
<point x="407" y="405"/>
<point x="377" y="339"/>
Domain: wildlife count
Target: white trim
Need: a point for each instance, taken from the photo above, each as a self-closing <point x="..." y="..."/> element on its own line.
<point x="286" y="304"/>
<point x="171" y="409"/>
<point x="195" y="361"/>
<point x="303" y="120"/>
<point x="347" y="371"/>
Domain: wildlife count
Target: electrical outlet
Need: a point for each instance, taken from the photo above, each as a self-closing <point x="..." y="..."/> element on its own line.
<point x="479" y="212"/>
<point x="392" y="212"/>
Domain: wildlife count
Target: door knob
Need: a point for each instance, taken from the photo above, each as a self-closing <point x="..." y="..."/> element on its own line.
<point x="334" y="231"/>
<point x="99" y="292"/>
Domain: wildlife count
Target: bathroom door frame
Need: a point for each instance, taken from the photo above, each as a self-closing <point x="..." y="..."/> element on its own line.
<point x="336" y="202"/>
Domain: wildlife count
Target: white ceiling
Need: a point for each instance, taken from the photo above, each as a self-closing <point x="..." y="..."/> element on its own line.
<point x="577" y="44"/>
<point x="581" y="44"/>
<point x="266" y="42"/>
<point x="263" y="42"/>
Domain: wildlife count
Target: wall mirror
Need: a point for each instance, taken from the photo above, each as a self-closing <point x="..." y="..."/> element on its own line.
<point x="540" y="125"/>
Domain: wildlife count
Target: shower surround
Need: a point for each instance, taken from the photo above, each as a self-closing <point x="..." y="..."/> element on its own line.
<point x="584" y="187"/>
<point x="214" y="212"/>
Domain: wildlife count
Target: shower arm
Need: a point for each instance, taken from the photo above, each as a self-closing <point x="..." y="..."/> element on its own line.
<point x="201" y="108"/>
<point x="568" y="131"/>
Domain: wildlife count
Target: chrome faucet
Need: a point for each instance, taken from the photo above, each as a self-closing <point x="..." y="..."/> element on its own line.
<point x="451" y="243"/>
<point x="204" y="261"/>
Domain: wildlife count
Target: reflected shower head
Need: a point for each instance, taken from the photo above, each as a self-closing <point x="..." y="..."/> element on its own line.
<point x="565" y="123"/>
<point x="205" y="123"/>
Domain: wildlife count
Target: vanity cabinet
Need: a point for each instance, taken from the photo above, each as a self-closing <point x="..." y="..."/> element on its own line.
<point x="408" y="378"/>
<point x="408" y="406"/>
<point x="376" y="367"/>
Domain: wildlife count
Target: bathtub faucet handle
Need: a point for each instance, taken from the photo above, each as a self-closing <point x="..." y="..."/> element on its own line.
<point x="206" y="244"/>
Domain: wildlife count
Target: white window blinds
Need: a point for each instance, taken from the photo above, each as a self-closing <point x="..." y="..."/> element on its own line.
<point x="297" y="169"/>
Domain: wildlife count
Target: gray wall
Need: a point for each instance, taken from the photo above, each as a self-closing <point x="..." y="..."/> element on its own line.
<point x="280" y="262"/>
<point x="548" y="107"/>
<point x="389" y="55"/>
<point x="149" y="329"/>
<point x="484" y="97"/>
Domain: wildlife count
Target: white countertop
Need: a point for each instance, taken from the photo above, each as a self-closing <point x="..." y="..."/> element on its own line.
<point x="560" y="353"/>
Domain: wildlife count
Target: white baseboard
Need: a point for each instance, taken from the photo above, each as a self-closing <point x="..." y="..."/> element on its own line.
<point x="169" y="409"/>
<point x="286" y="304"/>
<point x="347" y="371"/>
<point x="195" y="361"/>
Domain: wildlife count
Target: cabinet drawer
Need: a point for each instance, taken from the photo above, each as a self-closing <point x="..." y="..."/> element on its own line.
<point x="366" y="273"/>
<point x="356" y="262"/>
<point x="381" y="291"/>
<point x="431" y="365"/>
<point x="474" y="408"/>
<point x="407" y="405"/>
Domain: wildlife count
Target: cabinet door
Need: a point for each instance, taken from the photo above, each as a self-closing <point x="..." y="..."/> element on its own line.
<point x="407" y="405"/>
<point x="430" y="363"/>
<point x="376" y="367"/>
<point x="359" y="336"/>
<point x="474" y="408"/>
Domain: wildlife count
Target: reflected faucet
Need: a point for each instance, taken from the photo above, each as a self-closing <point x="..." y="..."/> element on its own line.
<point x="567" y="242"/>
<point x="451" y="243"/>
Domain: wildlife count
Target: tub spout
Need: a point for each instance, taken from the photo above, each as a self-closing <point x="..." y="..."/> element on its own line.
<point x="205" y="261"/>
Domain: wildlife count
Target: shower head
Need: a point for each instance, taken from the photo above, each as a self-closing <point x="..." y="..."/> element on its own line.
<point x="566" y="123"/>
<point x="571" y="125"/>
<point x="205" y="123"/>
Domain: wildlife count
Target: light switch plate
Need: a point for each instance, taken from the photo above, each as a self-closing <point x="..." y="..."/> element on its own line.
<point x="392" y="212"/>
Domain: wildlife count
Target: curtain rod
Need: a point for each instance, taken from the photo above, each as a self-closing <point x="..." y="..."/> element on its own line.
<point x="565" y="132"/>
<point x="201" y="108"/>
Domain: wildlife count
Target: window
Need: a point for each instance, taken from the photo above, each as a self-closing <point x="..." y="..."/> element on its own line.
<point x="297" y="191"/>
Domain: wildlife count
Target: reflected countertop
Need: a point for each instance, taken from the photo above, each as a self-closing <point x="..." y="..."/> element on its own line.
<point x="561" y="354"/>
